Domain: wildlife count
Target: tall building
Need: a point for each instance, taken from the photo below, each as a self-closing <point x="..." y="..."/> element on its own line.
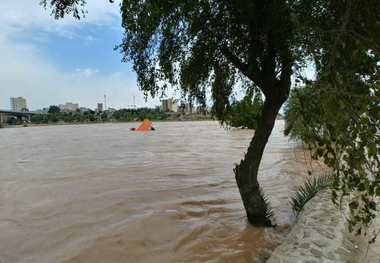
<point x="169" y="105"/>
<point x="99" y="107"/>
<point x="18" y="104"/>
<point x="69" y="106"/>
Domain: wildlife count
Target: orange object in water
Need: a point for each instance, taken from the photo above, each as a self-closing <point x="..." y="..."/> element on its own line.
<point x="145" y="126"/>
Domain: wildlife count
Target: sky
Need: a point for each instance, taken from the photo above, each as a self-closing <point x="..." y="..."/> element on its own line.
<point x="50" y="62"/>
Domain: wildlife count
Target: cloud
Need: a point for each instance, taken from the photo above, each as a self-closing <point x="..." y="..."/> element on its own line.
<point x="25" y="13"/>
<point x="23" y="72"/>
<point x="86" y="72"/>
<point x="26" y="70"/>
<point x="22" y="18"/>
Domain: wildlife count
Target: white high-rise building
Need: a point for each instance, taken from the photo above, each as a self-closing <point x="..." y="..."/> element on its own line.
<point x="169" y="105"/>
<point x="69" y="106"/>
<point x="18" y="104"/>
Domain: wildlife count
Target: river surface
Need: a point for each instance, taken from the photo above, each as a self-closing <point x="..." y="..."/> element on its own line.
<point x="101" y="193"/>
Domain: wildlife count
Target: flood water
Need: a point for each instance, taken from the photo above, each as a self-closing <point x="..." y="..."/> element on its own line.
<point x="101" y="193"/>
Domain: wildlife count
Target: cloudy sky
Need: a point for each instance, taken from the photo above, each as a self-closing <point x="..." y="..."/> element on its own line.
<point x="51" y="62"/>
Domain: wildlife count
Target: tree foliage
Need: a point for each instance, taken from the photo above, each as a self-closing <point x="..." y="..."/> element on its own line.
<point x="123" y="115"/>
<point x="139" y="114"/>
<point x="54" y="109"/>
<point x="60" y="8"/>
<point x="199" y="44"/>
<point x="342" y="130"/>
<point x="245" y="112"/>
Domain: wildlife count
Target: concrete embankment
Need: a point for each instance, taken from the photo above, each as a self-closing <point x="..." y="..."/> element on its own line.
<point x="320" y="235"/>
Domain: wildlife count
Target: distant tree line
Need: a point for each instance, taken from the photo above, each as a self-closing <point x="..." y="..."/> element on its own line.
<point x="55" y="115"/>
<point x="139" y="114"/>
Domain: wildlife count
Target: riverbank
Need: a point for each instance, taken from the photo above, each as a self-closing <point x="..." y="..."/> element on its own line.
<point x="320" y="234"/>
<point x="94" y="123"/>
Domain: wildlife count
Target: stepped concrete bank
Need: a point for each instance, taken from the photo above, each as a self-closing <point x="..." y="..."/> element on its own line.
<point x="320" y="235"/>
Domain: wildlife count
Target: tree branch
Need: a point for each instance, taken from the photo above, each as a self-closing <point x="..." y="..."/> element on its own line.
<point x="243" y="67"/>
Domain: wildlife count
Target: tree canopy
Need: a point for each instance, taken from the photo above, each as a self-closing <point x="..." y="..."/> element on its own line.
<point x="196" y="43"/>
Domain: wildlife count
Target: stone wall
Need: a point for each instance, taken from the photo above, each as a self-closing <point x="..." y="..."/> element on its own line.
<point x="320" y="235"/>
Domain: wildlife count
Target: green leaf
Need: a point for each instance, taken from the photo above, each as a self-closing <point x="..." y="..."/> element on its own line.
<point x="378" y="191"/>
<point x="353" y="205"/>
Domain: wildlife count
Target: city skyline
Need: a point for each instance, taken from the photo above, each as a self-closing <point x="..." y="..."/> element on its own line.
<point x="77" y="104"/>
<point x="7" y="105"/>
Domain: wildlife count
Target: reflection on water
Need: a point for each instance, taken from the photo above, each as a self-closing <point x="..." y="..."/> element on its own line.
<point x="100" y="193"/>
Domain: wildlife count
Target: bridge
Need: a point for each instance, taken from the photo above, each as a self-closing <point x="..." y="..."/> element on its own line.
<point x="22" y="116"/>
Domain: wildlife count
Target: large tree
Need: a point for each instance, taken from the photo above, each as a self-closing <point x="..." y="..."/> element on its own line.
<point x="246" y="44"/>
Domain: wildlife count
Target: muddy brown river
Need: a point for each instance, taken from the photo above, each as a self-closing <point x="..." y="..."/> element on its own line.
<point x="101" y="193"/>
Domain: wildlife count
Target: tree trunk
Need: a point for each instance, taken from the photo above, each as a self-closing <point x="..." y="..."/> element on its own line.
<point x="257" y="209"/>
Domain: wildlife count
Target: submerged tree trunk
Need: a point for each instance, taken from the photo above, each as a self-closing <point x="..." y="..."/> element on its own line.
<point x="246" y="172"/>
